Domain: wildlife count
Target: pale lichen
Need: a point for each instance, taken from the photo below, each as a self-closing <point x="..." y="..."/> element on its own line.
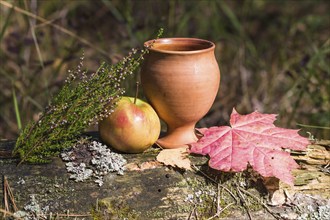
<point x="32" y="211"/>
<point x="92" y="159"/>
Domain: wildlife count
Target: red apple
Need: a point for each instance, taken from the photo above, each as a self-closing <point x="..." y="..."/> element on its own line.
<point x="132" y="127"/>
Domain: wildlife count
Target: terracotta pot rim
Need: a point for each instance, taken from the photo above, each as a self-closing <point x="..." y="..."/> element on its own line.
<point x="203" y="45"/>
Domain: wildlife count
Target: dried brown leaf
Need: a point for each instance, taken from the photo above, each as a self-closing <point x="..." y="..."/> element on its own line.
<point x="143" y="166"/>
<point x="175" y="158"/>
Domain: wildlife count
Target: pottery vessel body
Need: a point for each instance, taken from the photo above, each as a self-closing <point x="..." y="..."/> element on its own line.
<point x="180" y="77"/>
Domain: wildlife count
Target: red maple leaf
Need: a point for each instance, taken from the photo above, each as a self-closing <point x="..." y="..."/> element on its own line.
<point x="252" y="139"/>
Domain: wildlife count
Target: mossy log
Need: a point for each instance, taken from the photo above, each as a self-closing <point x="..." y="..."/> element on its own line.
<point x="147" y="190"/>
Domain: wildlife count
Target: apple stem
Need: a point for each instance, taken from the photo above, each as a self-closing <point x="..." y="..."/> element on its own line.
<point x="136" y="92"/>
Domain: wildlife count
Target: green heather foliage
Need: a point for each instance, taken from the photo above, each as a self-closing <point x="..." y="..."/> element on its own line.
<point x="83" y="100"/>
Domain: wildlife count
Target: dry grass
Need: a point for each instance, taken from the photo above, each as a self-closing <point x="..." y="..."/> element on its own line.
<point x="274" y="55"/>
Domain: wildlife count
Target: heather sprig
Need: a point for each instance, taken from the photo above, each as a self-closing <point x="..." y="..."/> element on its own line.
<point x="82" y="101"/>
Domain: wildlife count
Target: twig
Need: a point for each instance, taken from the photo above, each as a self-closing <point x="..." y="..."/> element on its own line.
<point x="5" y="196"/>
<point x="158" y="145"/>
<point x="191" y="212"/>
<point x="213" y="202"/>
<point x="218" y="200"/>
<point x="72" y="215"/>
<point x="244" y="203"/>
<point x="218" y="213"/>
<point x="240" y="190"/>
<point x="196" y="214"/>
<point x="204" y="174"/>
<point x="8" y="193"/>
<point x="11" y="196"/>
<point x="208" y="177"/>
<point x="136" y="92"/>
<point x="262" y="203"/>
<point x="9" y="213"/>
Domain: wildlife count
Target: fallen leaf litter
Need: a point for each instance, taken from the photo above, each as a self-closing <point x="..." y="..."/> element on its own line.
<point x="175" y="158"/>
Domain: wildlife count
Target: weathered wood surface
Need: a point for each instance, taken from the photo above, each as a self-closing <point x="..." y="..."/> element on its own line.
<point x="151" y="191"/>
<point x="314" y="175"/>
<point x="130" y="194"/>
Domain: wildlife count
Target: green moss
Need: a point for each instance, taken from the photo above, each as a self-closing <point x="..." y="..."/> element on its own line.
<point x="115" y="209"/>
<point x="192" y="194"/>
<point x="96" y="214"/>
<point x="204" y="194"/>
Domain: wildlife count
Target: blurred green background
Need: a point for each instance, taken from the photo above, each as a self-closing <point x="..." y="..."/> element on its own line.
<point x="273" y="55"/>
